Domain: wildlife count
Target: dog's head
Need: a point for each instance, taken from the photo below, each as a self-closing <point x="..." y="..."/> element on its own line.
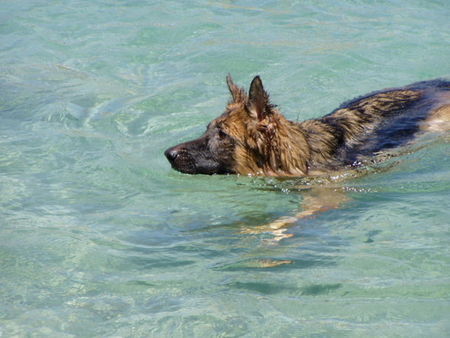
<point x="245" y="139"/>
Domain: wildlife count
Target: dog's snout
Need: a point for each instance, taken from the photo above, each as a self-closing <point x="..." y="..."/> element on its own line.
<point x="171" y="154"/>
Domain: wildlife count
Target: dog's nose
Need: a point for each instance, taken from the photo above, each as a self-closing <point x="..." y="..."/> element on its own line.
<point x="171" y="154"/>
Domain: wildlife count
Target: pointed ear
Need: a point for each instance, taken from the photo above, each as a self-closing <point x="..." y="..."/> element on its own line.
<point x="258" y="99"/>
<point x="237" y="93"/>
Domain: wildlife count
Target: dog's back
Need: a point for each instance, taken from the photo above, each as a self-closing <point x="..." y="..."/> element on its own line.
<point x="378" y="121"/>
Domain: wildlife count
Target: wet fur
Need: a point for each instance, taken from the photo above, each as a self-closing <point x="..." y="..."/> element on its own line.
<point x="253" y="138"/>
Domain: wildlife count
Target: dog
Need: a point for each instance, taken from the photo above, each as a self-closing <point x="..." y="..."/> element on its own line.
<point x="253" y="138"/>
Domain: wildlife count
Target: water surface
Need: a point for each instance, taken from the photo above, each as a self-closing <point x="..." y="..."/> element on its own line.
<point x="99" y="237"/>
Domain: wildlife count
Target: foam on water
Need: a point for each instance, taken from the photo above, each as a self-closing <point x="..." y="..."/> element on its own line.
<point x="99" y="237"/>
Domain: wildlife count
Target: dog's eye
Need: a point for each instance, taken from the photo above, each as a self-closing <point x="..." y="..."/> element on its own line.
<point x="222" y="134"/>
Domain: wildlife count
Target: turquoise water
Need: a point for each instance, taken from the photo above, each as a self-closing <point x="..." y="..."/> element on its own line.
<point x="99" y="237"/>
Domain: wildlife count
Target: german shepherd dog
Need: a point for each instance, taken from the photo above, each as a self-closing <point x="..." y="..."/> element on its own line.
<point x="253" y="138"/>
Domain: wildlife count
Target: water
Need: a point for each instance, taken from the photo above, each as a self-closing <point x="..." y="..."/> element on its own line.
<point x="99" y="237"/>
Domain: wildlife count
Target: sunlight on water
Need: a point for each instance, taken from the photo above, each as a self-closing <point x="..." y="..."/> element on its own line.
<point x="99" y="237"/>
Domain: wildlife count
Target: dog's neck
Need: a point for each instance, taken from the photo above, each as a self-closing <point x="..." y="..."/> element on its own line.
<point x="276" y="147"/>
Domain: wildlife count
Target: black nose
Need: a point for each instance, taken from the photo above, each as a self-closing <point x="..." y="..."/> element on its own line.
<point x="171" y="154"/>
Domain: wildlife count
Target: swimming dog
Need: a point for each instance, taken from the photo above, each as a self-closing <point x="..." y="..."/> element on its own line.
<point x="253" y="138"/>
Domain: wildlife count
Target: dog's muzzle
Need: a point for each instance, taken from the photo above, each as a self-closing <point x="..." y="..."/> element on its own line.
<point x="171" y="154"/>
<point x="180" y="160"/>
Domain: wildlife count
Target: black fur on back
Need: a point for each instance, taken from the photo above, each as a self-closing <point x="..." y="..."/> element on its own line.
<point x="387" y="125"/>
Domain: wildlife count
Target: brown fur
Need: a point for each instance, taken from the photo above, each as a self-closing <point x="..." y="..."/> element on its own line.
<point x="253" y="138"/>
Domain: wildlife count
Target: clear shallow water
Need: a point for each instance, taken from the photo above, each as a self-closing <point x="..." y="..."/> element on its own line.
<point x="99" y="237"/>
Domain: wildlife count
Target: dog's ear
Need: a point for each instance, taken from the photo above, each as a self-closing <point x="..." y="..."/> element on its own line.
<point x="238" y="94"/>
<point x="258" y="100"/>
